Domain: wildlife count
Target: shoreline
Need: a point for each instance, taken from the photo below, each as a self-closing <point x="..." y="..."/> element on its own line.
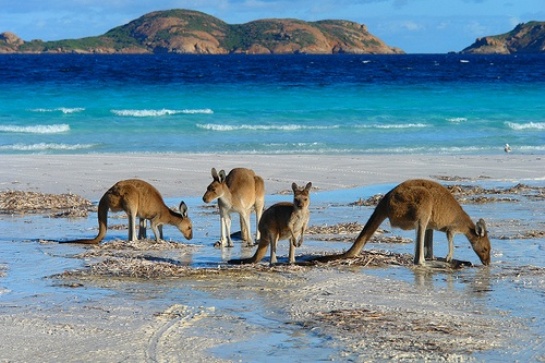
<point x="90" y="175"/>
<point x="359" y="313"/>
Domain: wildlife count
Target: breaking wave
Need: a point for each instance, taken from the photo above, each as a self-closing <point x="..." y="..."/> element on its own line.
<point x="289" y="127"/>
<point x="457" y="120"/>
<point x="394" y="126"/>
<point x="65" y="110"/>
<point x="526" y="126"/>
<point x="158" y="113"/>
<point x="36" y="129"/>
<point x="45" y="147"/>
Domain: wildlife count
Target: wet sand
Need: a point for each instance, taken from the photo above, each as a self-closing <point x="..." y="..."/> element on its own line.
<point x="56" y="304"/>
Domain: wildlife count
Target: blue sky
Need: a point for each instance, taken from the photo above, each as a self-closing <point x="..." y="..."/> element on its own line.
<point x="416" y="26"/>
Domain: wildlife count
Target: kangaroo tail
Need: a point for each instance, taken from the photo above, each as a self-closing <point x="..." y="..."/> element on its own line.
<point x="379" y="215"/>
<point x="258" y="255"/>
<point x="103" y="207"/>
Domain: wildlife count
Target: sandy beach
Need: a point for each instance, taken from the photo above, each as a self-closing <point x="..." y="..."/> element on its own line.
<point x="188" y="175"/>
<point x="261" y="314"/>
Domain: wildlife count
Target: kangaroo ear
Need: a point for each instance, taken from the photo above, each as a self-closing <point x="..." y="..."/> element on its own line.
<point x="183" y="209"/>
<point x="222" y="176"/>
<point x="294" y="187"/>
<point x="215" y="174"/>
<point x="308" y="186"/>
<point x="480" y="228"/>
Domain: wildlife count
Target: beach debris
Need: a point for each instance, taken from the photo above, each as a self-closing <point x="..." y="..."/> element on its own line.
<point x="346" y="232"/>
<point x="340" y="228"/>
<point x="450" y="178"/>
<point x="531" y="234"/>
<point x="473" y="194"/>
<point x="126" y="263"/>
<point x="410" y="337"/>
<point x="369" y="202"/>
<point x="478" y="195"/>
<point x="63" y="205"/>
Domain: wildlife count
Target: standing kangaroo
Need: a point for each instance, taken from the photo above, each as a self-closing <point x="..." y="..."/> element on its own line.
<point x="283" y="221"/>
<point x="425" y="206"/>
<point x="241" y="191"/>
<point x="139" y="199"/>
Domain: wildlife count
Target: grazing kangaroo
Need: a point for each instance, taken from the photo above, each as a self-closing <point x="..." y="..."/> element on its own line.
<point x="139" y="199"/>
<point x="283" y="221"/>
<point x="423" y="205"/>
<point x="241" y="191"/>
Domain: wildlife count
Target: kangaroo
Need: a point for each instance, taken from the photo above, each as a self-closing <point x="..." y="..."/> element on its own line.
<point x="240" y="191"/>
<point x="283" y="221"/>
<point x="140" y="199"/>
<point x="425" y="206"/>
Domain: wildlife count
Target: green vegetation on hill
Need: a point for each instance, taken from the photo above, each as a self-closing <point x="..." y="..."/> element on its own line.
<point x="524" y="38"/>
<point x="186" y="31"/>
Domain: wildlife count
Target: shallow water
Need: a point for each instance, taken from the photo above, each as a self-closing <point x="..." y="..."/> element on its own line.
<point x="514" y="285"/>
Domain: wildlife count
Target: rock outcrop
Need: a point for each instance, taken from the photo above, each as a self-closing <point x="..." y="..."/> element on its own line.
<point x="9" y="42"/>
<point x="525" y="38"/>
<point x="192" y="32"/>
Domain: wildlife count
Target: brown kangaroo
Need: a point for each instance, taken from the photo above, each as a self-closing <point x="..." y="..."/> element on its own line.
<point x="139" y="199"/>
<point x="241" y="191"/>
<point x="283" y="221"/>
<point x="423" y="205"/>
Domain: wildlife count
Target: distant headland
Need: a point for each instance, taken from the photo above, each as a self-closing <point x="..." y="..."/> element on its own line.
<point x="193" y="32"/>
<point x="524" y="38"/>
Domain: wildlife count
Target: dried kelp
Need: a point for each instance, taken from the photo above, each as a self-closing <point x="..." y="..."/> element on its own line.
<point x="144" y="266"/>
<point x="150" y="268"/>
<point x="64" y="205"/>
<point x="373" y="259"/>
<point x="340" y="228"/>
<point x="411" y="335"/>
<point x="369" y="202"/>
<point x="472" y="194"/>
<point x="525" y="235"/>
<point x="346" y="232"/>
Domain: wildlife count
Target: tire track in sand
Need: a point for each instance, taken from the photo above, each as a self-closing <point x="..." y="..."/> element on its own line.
<point x="174" y="317"/>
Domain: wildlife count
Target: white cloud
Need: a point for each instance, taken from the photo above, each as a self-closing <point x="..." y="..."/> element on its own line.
<point x="476" y="29"/>
<point x="411" y="26"/>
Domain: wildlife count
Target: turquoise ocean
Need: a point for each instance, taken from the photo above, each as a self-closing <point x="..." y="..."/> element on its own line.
<point x="277" y="104"/>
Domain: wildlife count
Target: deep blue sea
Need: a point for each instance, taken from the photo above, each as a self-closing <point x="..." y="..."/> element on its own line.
<point x="289" y="104"/>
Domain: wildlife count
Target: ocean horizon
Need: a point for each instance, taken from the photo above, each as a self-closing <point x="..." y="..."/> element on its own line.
<point x="277" y="104"/>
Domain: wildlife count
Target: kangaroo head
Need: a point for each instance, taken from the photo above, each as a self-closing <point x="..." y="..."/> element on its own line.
<point x="301" y="196"/>
<point x="185" y="226"/>
<point x="480" y="242"/>
<point x="216" y="188"/>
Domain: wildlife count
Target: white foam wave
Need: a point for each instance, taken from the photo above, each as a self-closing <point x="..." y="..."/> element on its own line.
<point x="162" y="112"/>
<point x="394" y="126"/>
<point x="457" y="119"/>
<point x="427" y="150"/>
<point x="288" y="127"/>
<point x="66" y="110"/>
<point x="36" y="129"/>
<point x="45" y="146"/>
<point x="526" y="126"/>
<point x="527" y="149"/>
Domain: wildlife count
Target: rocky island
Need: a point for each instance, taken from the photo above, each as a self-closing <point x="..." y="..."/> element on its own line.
<point x="525" y="38"/>
<point x="193" y="32"/>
